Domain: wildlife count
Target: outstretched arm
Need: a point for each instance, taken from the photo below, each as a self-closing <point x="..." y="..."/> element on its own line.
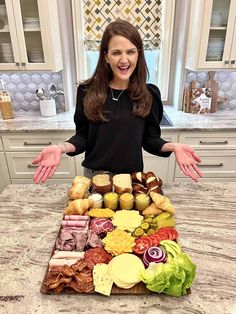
<point x="49" y="159"/>
<point x="186" y="159"/>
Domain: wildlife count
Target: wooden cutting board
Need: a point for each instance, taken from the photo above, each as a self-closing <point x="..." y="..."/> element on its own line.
<point x="211" y="83"/>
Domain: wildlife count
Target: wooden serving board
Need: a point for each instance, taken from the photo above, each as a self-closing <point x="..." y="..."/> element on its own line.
<point x="139" y="288"/>
<point x="211" y="83"/>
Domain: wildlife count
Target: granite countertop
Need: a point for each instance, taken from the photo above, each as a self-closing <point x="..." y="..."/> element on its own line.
<point x="206" y="221"/>
<point x="63" y="121"/>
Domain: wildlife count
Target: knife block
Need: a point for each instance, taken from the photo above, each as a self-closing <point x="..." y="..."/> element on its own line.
<point x="6" y="106"/>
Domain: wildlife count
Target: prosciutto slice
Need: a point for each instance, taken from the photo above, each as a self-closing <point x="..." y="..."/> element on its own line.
<point x="101" y="225"/>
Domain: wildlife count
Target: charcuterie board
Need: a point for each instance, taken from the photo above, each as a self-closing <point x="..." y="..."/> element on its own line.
<point x="112" y="249"/>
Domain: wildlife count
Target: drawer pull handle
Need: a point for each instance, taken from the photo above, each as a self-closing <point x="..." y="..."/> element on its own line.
<point x="214" y="143"/>
<point x="37" y="144"/>
<point x="220" y="164"/>
<point x="32" y="166"/>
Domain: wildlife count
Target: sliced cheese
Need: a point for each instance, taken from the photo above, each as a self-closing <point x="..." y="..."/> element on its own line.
<point x="127" y="219"/>
<point x="101" y="279"/>
<point x="125" y="270"/>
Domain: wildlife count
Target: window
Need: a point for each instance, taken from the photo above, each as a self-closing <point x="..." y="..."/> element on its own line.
<point x="153" y="19"/>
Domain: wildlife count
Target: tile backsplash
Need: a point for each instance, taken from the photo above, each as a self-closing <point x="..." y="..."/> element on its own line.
<point x="226" y="86"/>
<point x="22" y="87"/>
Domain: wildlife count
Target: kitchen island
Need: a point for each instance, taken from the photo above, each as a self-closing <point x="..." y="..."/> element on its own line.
<point x="206" y="221"/>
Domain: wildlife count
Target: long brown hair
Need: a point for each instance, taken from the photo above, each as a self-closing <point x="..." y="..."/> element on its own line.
<point x="96" y="88"/>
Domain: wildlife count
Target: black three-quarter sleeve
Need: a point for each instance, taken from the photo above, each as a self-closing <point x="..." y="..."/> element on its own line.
<point x="152" y="141"/>
<point x="80" y="139"/>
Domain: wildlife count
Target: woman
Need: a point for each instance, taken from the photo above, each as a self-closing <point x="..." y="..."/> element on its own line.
<point x="117" y="114"/>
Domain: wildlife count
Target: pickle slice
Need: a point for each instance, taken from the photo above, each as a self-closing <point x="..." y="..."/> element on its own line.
<point x="151" y="231"/>
<point x="145" y="225"/>
<point x="138" y="232"/>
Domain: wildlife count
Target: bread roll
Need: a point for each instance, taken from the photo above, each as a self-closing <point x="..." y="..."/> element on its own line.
<point x="138" y="177"/>
<point x="122" y="183"/>
<point x="82" y="179"/>
<point x="77" y="190"/>
<point x="101" y="183"/>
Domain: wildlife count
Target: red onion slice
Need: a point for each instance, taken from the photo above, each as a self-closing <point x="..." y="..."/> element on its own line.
<point x="155" y="255"/>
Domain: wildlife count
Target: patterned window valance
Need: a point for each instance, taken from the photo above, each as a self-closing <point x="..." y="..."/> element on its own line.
<point x="144" y="14"/>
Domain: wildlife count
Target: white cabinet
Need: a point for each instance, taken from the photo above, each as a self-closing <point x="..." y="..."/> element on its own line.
<point x="162" y="167"/>
<point x="217" y="151"/>
<point x="212" y="35"/>
<point x="29" y="35"/>
<point x="79" y="168"/>
<point x="4" y="175"/>
<point x="21" y="149"/>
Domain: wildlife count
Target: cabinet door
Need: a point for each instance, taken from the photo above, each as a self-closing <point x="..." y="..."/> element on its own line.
<point x="78" y="167"/>
<point x="32" y="142"/>
<point x="5" y="179"/>
<point x="33" y="42"/>
<point x="20" y="166"/>
<point x="9" y="49"/>
<point x="162" y="167"/>
<point x="233" y="50"/>
<point x="215" y="164"/>
<point x="217" y="34"/>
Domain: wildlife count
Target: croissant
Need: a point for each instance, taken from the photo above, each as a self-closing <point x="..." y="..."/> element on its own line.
<point x="162" y="202"/>
<point x="152" y="210"/>
<point x="77" y="190"/>
<point x="78" y="206"/>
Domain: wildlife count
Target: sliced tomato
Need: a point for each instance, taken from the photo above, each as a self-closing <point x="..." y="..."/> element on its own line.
<point x="142" y="244"/>
<point x="165" y="233"/>
<point x="155" y="239"/>
<point x="163" y="236"/>
<point x="174" y="234"/>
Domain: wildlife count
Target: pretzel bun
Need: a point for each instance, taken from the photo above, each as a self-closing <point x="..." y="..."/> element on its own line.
<point x="138" y="177"/>
<point x="153" y="183"/>
<point x="139" y="188"/>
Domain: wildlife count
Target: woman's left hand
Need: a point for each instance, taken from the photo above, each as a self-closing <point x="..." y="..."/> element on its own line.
<point x="186" y="159"/>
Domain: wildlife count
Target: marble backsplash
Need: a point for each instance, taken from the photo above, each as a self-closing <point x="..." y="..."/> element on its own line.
<point x="22" y="87"/>
<point x="226" y="86"/>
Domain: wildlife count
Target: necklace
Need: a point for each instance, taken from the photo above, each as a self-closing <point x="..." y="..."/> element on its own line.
<point x="116" y="99"/>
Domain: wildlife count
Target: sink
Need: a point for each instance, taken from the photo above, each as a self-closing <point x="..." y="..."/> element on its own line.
<point x="165" y="121"/>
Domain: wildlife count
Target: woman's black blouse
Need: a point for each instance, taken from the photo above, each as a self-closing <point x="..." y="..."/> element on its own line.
<point x="116" y="145"/>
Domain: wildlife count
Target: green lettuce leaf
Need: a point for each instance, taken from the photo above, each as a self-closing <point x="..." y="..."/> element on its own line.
<point x="173" y="277"/>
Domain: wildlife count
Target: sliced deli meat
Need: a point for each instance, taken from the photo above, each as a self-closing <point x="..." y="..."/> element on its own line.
<point x="101" y="225"/>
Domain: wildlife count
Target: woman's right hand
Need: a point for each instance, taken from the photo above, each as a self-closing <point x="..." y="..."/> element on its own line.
<point x="48" y="161"/>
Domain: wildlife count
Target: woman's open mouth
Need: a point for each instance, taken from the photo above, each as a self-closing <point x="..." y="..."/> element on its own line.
<point x="124" y="69"/>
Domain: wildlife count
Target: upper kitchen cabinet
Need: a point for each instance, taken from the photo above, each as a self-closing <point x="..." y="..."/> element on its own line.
<point x="29" y="36"/>
<point x="212" y="35"/>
